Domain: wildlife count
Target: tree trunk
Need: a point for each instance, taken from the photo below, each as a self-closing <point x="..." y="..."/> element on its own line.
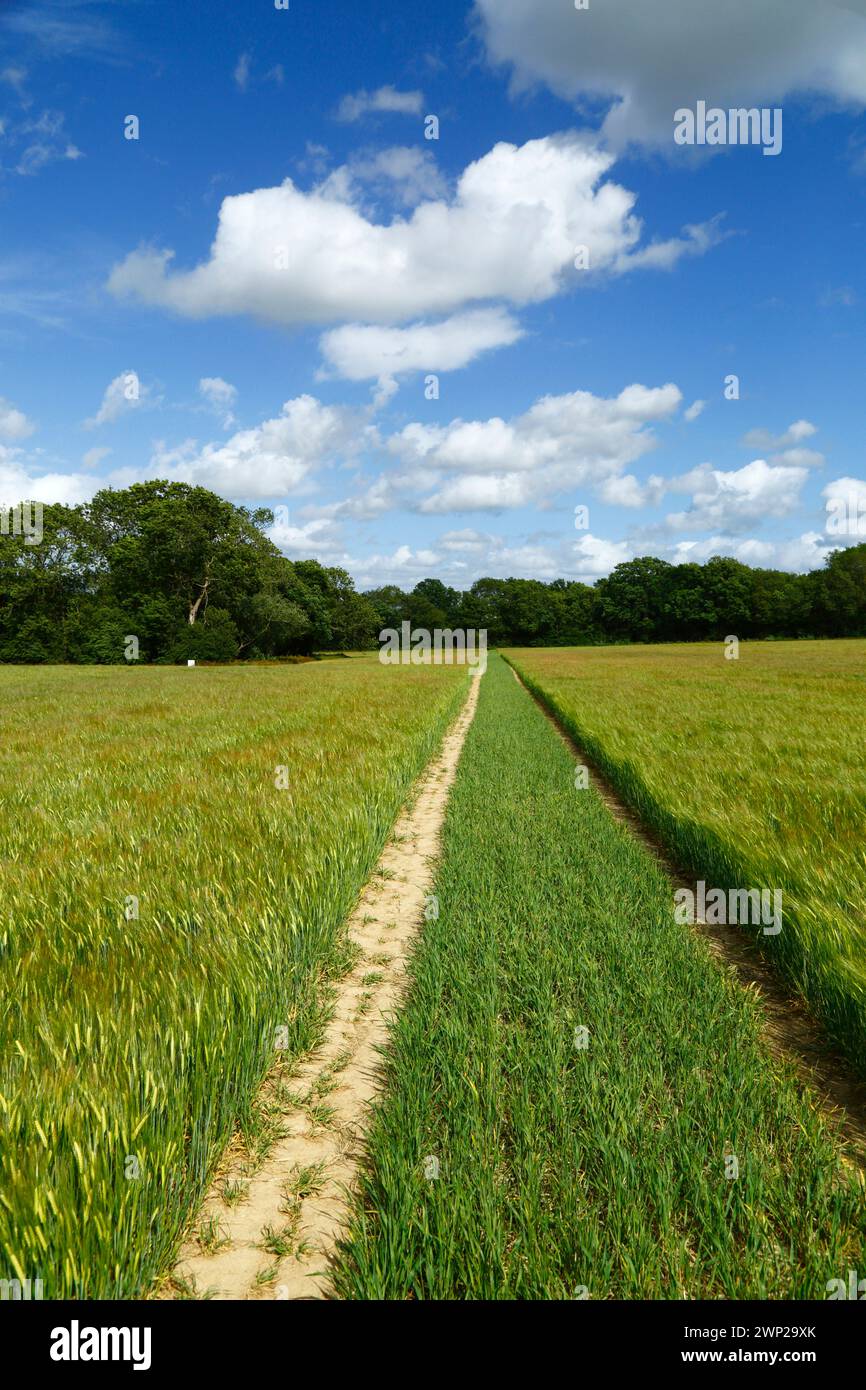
<point x="193" y="612"/>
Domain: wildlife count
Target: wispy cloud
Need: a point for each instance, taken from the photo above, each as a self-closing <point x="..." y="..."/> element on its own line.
<point x="840" y="296"/>
<point x="384" y="99"/>
<point x="241" y="73"/>
<point x="64" y="28"/>
<point x="37" y="142"/>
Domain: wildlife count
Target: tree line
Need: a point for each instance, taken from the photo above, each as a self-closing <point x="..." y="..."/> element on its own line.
<point x="190" y="575"/>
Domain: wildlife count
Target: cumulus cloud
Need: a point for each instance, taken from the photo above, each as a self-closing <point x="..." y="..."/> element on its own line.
<point x="384" y="99"/>
<point x="459" y="558"/>
<point x="22" y="480"/>
<point x="846" y="487"/>
<point x="736" y="500"/>
<point x="645" y="61"/>
<point x="361" y="352"/>
<point x="384" y="495"/>
<point x="122" y="395"/>
<point x="595" y="557"/>
<point x="800" y="458"/>
<point x="405" y="173"/>
<point x="467" y="555"/>
<point x="845" y="500"/>
<point x="694" y="410"/>
<point x="319" y="538"/>
<point x="788" y="445"/>
<point x="220" y="396"/>
<point x="275" y="459"/>
<point x="560" y="443"/>
<point x="509" y="232"/>
<point x="627" y="491"/>
<point x="801" y="553"/>
<point x="793" y="435"/>
<point x="14" y="423"/>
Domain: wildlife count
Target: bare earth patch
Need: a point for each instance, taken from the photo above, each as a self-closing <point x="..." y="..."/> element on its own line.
<point x="275" y="1236"/>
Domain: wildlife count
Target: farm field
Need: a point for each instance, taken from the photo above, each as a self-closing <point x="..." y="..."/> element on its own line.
<point x="752" y="772"/>
<point x="169" y="918"/>
<point x="574" y="1083"/>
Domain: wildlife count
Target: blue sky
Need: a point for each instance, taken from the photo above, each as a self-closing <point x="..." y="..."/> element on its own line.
<point x="254" y="293"/>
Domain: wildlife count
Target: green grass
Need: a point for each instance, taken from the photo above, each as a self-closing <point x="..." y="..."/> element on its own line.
<point x="753" y="774"/>
<point x="564" y="1169"/>
<point x="131" y="1049"/>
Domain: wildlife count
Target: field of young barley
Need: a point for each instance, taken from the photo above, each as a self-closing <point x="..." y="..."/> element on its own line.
<point x="179" y="851"/>
<point x="753" y="774"/>
<point x="579" y="1100"/>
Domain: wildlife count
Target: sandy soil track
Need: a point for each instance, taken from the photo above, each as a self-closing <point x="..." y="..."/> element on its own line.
<point x="302" y="1186"/>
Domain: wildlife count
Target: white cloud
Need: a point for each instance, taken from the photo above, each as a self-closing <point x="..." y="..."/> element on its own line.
<point x="800" y="458"/>
<point x="845" y="500"/>
<point x="843" y="488"/>
<point x="806" y="552"/>
<point x="380" y="497"/>
<point x="733" y="501"/>
<point x="122" y="395"/>
<point x="94" y="457"/>
<point x="35" y="157"/>
<point x="647" y="61"/>
<point x="320" y="539"/>
<point x="595" y="557"/>
<point x="39" y="142"/>
<point x="13" y="423"/>
<point x="459" y="558"/>
<point x="465" y="542"/>
<point x="491" y="492"/>
<point x="385" y="99"/>
<point x="242" y="72"/>
<point x="694" y="410"/>
<point x="509" y="232"/>
<point x="793" y="435"/>
<point x="404" y="172"/>
<point x="697" y="239"/>
<point x="788" y="444"/>
<point x="21" y="480"/>
<point x="274" y="460"/>
<point x="360" y="352"/>
<point x="220" y="396"/>
<point x="560" y="443"/>
<point x="627" y="491"/>
<point x="14" y="77"/>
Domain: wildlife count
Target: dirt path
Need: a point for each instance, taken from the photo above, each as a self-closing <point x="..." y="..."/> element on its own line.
<point x="789" y="1028"/>
<point x="279" y="1237"/>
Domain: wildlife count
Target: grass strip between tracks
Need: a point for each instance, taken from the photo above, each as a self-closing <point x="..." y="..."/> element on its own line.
<point x="509" y="1161"/>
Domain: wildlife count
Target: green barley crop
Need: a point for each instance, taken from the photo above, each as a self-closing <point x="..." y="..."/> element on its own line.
<point x="753" y="774"/>
<point x="169" y="917"/>
<point x="580" y="1099"/>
